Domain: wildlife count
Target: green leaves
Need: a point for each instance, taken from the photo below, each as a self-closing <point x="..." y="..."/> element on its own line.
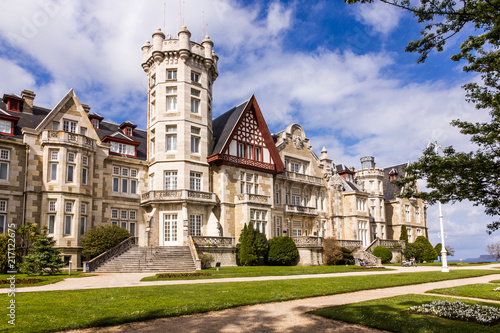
<point x="101" y="239"/>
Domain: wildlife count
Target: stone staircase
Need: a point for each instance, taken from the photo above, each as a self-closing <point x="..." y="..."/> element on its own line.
<point x="151" y="259"/>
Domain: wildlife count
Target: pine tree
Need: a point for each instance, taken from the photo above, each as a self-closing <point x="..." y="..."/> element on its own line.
<point x="43" y="257"/>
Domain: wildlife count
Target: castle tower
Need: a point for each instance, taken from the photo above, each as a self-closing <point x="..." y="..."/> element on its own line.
<point x="180" y="75"/>
<point x="371" y="180"/>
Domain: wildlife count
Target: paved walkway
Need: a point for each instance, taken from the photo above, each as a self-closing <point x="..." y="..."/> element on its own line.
<point x="290" y="316"/>
<point x="116" y="280"/>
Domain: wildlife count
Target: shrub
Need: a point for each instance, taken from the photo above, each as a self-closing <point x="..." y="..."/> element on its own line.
<point x="4" y="255"/>
<point x="415" y="250"/>
<point x="252" y="247"/>
<point x="429" y="254"/>
<point x="347" y="254"/>
<point x="282" y="251"/>
<point x="101" y="239"/>
<point x="404" y="234"/>
<point x="43" y="257"/>
<point x="383" y="253"/>
<point x="206" y="260"/>
<point x="332" y="253"/>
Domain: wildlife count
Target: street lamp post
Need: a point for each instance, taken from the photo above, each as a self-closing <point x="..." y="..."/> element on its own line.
<point x="444" y="259"/>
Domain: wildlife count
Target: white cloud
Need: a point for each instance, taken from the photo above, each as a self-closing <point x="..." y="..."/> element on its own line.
<point x="381" y="17"/>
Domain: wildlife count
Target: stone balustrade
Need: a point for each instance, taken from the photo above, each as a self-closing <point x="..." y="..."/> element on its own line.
<point x="254" y="198"/>
<point x="51" y="136"/>
<point x="300" y="177"/>
<point x="350" y="244"/>
<point x="301" y="210"/>
<point x="213" y="241"/>
<point x="93" y="264"/>
<point x="306" y="241"/>
<point x="178" y="195"/>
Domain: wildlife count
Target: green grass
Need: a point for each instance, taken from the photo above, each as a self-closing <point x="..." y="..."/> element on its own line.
<point x="46" y="279"/>
<point x="391" y="314"/>
<point x="449" y="264"/>
<point x="495" y="281"/>
<point x="251" y="271"/>
<point x="60" y="310"/>
<point x="483" y="290"/>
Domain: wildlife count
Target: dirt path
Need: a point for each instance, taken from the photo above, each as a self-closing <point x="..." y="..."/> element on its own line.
<point x="287" y="316"/>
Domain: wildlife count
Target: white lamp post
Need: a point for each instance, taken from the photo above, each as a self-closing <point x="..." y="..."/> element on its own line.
<point x="444" y="259"/>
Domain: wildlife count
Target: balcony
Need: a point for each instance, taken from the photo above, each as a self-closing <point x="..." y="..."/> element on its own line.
<point x="254" y="199"/>
<point x="300" y="177"/>
<point x="301" y="210"/>
<point x="170" y="196"/>
<point x="50" y="136"/>
<point x="307" y="241"/>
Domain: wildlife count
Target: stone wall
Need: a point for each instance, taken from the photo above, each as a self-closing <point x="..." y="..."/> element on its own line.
<point x="225" y="255"/>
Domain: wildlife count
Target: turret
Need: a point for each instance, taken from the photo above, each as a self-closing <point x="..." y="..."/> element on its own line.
<point x="367" y="162"/>
<point x="145" y="55"/>
<point x="158" y="38"/>
<point x="184" y="44"/>
<point x="207" y="45"/>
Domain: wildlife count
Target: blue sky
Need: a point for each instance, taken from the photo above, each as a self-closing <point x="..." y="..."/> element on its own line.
<point x="338" y="70"/>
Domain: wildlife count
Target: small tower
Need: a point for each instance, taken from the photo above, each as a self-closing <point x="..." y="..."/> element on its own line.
<point x="180" y="75"/>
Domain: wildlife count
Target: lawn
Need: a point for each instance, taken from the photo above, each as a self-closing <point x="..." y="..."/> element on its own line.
<point x="391" y="314"/>
<point x="251" y="271"/>
<point x="483" y="290"/>
<point x="45" y="279"/>
<point x="60" y="310"/>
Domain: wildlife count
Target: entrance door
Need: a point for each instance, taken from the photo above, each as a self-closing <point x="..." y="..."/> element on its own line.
<point x="170" y="229"/>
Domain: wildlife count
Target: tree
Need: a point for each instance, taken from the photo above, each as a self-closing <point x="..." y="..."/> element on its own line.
<point x="404" y="234"/>
<point x="28" y="234"/>
<point x="101" y="239"/>
<point x="494" y="250"/>
<point x="383" y="253"/>
<point x="429" y="254"/>
<point x="4" y="255"/>
<point x="252" y="246"/>
<point x="449" y="250"/>
<point x="282" y="251"/>
<point x="414" y="250"/>
<point x="43" y="257"/>
<point x="474" y="175"/>
<point x="332" y="252"/>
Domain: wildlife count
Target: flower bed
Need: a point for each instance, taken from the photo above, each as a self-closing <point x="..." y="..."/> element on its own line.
<point x="485" y="315"/>
<point x="179" y="275"/>
<point x="22" y="281"/>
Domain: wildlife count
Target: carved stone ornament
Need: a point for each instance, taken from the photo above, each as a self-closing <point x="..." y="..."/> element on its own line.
<point x="335" y="182"/>
<point x="297" y="141"/>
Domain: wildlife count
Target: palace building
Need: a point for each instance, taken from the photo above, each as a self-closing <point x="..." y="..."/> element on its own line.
<point x="187" y="179"/>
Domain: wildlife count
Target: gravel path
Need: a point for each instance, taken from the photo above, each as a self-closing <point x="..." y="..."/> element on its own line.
<point x="287" y="316"/>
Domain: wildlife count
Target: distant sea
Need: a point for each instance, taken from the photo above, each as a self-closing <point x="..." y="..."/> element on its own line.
<point x="482" y="258"/>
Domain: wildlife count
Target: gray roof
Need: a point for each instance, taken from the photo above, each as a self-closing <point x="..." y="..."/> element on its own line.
<point x="342" y="167"/>
<point x="223" y="126"/>
<point x="390" y="189"/>
<point x="348" y="186"/>
<point x="27" y="120"/>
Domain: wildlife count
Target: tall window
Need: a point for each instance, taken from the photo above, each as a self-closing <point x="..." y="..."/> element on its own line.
<point x="4" y="164"/>
<point x="171" y="138"/>
<point x="407" y="213"/>
<point x="3" y="215"/>
<point x="69" y="126"/>
<point x="170" y="180"/>
<point x="372" y="207"/>
<point x="172" y="74"/>
<point x="152" y="82"/>
<point x="68" y="217"/>
<point x="249" y="183"/>
<point x="417" y="215"/>
<point x="70" y="167"/>
<point x="294" y="167"/>
<point x="85" y="170"/>
<point x="278" y="194"/>
<point x="195" y="101"/>
<point x="195" y="181"/>
<point x="124" y="218"/>
<point x="195" y="140"/>
<point x="241" y="149"/>
<point x="83" y="218"/>
<point x="195" y="225"/>
<point x="124" y="180"/>
<point x="152" y="110"/>
<point x="5" y="126"/>
<point x="195" y="77"/>
<point x="171" y="98"/>
<point x="52" y="216"/>
<point x="95" y="123"/>
<point x="259" y="219"/>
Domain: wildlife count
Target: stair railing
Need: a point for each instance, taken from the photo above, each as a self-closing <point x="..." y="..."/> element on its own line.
<point x="117" y="250"/>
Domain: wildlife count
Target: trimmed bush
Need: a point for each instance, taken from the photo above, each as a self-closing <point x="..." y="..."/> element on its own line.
<point x="383" y="253"/>
<point x="101" y="239"/>
<point x="429" y="254"/>
<point x="206" y="260"/>
<point x="282" y="251"/>
<point x="332" y="253"/>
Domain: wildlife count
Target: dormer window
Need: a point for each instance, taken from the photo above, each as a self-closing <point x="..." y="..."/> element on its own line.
<point x="128" y="131"/>
<point x="96" y="120"/>
<point x="12" y="102"/>
<point x="95" y="123"/>
<point x="128" y="128"/>
<point x="392" y="174"/>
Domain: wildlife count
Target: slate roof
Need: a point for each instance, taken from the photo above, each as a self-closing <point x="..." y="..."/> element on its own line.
<point x="223" y="125"/>
<point x="27" y="120"/>
<point x="390" y="189"/>
<point x="348" y="186"/>
<point x="342" y="167"/>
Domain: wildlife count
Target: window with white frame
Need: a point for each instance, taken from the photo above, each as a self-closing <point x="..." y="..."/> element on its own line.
<point x="417" y="215"/>
<point x="124" y="180"/>
<point x="68" y="217"/>
<point x="297" y="228"/>
<point x="83" y="218"/>
<point x="195" y="101"/>
<point x="5" y="126"/>
<point x="258" y="218"/>
<point x="410" y="235"/>
<point x="69" y="126"/>
<point x="52" y="206"/>
<point x="171" y="98"/>
<point x="277" y="194"/>
<point x="4" y="164"/>
<point x="195" y="225"/>
<point x="125" y="218"/>
<point x="195" y="181"/>
<point x="296" y="198"/>
<point x="152" y="109"/>
<point x="195" y="140"/>
<point x="83" y="131"/>
<point x="372" y="207"/>
<point x="171" y="138"/>
<point x="407" y="213"/>
<point x="171" y="74"/>
<point x="249" y="183"/>
<point x="152" y="81"/>
<point x="419" y="232"/>
<point x="55" y="126"/>
<point x="195" y="77"/>
<point x="361" y="204"/>
<point x="70" y="167"/>
<point x="3" y="216"/>
<point x="122" y="148"/>
<point x="95" y="123"/>
<point x="51" y="222"/>
<point x="170" y="180"/>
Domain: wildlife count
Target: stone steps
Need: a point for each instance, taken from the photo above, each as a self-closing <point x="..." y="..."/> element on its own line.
<point x="151" y="259"/>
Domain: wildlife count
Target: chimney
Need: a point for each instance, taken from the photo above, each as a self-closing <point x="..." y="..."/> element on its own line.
<point x="86" y="108"/>
<point x="28" y="96"/>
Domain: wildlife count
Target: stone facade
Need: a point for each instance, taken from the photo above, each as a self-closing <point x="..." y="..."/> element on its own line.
<point x="187" y="174"/>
